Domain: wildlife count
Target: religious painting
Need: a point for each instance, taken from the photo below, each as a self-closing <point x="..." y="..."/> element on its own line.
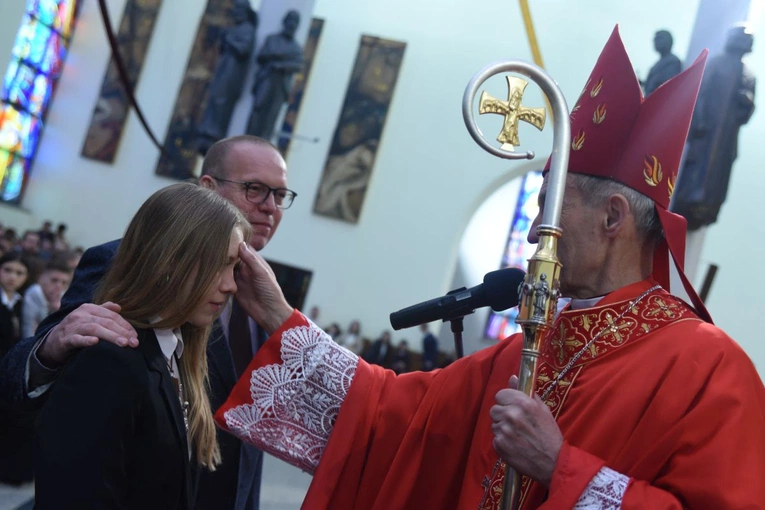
<point x="517" y="251"/>
<point x="179" y="157"/>
<point x="298" y="86"/>
<point x="354" y="145"/>
<point x="293" y="281"/>
<point x="37" y="59"/>
<point x="112" y="106"/>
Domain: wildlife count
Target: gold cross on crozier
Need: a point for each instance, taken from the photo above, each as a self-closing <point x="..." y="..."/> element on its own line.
<point x="513" y="111"/>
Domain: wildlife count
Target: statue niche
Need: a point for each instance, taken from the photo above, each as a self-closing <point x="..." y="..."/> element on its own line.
<point x="278" y="60"/>
<point x="725" y="103"/>
<point x="236" y="47"/>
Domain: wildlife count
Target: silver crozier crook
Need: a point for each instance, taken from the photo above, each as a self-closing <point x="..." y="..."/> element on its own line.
<point x="539" y="292"/>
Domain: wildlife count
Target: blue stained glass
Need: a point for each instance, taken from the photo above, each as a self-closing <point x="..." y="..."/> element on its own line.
<point x="517" y="251"/>
<point x="19" y="131"/>
<point x="57" y="14"/>
<point x="27" y="89"/>
<point x="13" y="172"/>
<point x="38" y="46"/>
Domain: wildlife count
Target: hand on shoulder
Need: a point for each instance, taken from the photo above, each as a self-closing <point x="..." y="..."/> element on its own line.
<point x="84" y="327"/>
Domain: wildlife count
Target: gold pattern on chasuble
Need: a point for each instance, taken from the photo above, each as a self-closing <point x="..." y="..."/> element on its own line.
<point x="572" y="331"/>
<point x="513" y="111"/>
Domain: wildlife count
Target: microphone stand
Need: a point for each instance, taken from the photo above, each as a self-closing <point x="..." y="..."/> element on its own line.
<point x="456" y="323"/>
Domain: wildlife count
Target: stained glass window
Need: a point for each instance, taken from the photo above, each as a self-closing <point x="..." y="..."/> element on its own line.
<point x="36" y="61"/>
<point x="517" y="251"/>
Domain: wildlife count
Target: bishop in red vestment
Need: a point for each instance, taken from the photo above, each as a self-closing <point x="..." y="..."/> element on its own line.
<point x="642" y="402"/>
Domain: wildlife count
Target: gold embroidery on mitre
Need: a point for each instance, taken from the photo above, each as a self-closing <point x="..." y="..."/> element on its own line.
<point x="600" y="114"/>
<point x="578" y="141"/>
<point x="671" y="184"/>
<point x="596" y="88"/>
<point x="652" y="171"/>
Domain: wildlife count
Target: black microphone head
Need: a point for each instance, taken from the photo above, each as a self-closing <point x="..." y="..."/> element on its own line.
<point x="501" y="288"/>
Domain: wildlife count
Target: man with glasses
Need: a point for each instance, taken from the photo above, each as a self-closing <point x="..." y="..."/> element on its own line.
<point x="249" y="172"/>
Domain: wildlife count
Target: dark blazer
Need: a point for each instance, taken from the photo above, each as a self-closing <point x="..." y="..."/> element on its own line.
<point x="111" y="434"/>
<point x="235" y="485"/>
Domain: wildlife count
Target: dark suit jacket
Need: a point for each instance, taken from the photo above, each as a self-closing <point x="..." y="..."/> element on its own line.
<point x="236" y="483"/>
<point x="111" y="434"/>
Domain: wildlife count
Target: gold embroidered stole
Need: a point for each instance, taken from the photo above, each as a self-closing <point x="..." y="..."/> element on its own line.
<point x="572" y="330"/>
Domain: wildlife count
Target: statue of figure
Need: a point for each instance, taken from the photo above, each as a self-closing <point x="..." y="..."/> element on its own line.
<point x="540" y="297"/>
<point x="668" y="65"/>
<point x="725" y="103"/>
<point x="236" y="46"/>
<point x="279" y="58"/>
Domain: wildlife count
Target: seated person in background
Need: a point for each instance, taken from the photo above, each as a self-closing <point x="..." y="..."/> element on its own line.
<point x="402" y="358"/>
<point x="352" y="339"/>
<point x="16" y="438"/>
<point x="122" y="427"/>
<point x="429" y="349"/>
<point x="334" y="331"/>
<point x="380" y="352"/>
<point x="13" y="274"/>
<point x="44" y="297"/>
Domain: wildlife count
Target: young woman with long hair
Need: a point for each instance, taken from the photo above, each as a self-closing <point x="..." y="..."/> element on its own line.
<point x="123" y="428"/>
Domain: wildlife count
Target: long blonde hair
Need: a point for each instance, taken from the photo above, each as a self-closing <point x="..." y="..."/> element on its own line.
<point x="171" y="254"/>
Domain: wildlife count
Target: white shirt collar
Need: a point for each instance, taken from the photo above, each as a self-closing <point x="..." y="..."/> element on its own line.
<point x="578" y="304"/>
<point x="10" y="303"/>
<point x="170" y="340"/>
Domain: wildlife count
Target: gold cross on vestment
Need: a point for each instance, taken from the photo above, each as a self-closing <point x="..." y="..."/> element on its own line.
<point x="562" y="341"/>
<point x="513" y="111"/>
<point x="664" y="308"/>
<point x="615" y="330"/>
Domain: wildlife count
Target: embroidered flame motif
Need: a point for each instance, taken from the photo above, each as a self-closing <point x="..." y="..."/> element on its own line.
<point x="596" y="88"/>
<point x="652" y="171"/>
<point x="600" y="114"/>
<point x="578" y="141"/>
<point x="671" y="184"/>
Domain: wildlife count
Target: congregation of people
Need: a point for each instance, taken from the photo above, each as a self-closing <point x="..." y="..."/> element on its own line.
<point x="396" y="355"/>
<point x="35" y="271"/>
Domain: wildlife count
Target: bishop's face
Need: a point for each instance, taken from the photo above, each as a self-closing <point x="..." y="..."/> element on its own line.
<point x="579" y="249"/>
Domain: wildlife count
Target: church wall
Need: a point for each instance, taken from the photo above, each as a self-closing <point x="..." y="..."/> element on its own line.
<point x="429" y="176"/>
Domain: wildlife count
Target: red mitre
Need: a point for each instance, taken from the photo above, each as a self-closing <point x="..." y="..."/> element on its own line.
<point x="618" y="134"/>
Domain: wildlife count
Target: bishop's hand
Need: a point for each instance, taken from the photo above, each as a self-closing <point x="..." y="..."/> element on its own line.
<point x="526" y="435"/>
<point x="258" y="292"/>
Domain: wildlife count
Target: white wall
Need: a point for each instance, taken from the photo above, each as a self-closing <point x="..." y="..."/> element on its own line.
<point x="429" y="176"/>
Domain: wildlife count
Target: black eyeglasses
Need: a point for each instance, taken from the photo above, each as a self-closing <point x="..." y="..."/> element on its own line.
<point x="258" y="193"/>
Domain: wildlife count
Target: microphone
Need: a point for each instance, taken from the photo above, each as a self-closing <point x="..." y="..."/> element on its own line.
<point x="499" y="290"/>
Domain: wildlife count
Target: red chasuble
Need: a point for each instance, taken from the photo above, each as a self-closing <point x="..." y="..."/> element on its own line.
<point x="666" y="400"/>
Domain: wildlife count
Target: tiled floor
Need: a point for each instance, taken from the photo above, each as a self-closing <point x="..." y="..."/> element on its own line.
<point x="283" y="488"/>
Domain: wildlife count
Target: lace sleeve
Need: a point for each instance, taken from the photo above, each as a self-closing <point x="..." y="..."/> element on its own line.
<point x="604" y="492"/>
<point x="295" y="403"/>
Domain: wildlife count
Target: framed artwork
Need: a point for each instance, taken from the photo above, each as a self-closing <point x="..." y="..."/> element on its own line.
<point x="179" y="158"/>
<point x="112" y="106"/>
<point x="351" y="158"/>
<point x="299" y="85"/>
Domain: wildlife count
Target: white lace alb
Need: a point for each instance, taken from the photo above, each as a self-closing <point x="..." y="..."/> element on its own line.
<point x="295" y="404"/>
<point x="604" y="492"/>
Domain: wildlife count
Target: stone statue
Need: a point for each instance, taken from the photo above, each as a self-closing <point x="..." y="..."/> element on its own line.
<point x="279" y="58"/>
<point x="725" y="103"/>
<point x="668" y="65"/>
<point x="236" y="47"/>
